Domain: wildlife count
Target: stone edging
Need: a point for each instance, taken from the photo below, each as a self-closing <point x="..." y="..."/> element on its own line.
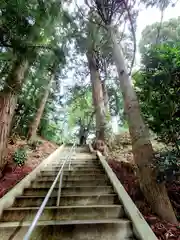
<point x="140" y="227"/>
<point x="8" y="199"/>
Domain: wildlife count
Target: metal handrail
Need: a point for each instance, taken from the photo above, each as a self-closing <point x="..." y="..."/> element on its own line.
<point x="41" y="209"/>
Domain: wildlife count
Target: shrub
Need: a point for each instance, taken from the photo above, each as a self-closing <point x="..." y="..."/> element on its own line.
<point x="20" y="156"/>
<point x="157" y="86"/>
<point x="168" y="166"/>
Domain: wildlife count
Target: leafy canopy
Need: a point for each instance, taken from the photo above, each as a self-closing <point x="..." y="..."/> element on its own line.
<point x="157" y="85"/>
<point x="169" y="32"/>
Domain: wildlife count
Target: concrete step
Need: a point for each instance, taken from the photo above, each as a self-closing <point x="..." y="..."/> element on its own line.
<point x="74" y="172"/>
<point x="78" y="157"/>
<point x="96" y="164"/>
<point x="73" y="167"/>
<point x="102" y="229"/>
<point x="78" y="164"/>
<point x="64" y="213"/>
<point x="74" y="183"/>
<point x="83" y="177"/>
<point x="74" y="161"/>
<point x="70" y="190"/>
<point x="34" y="201"/>
<point x="79" y="149"/>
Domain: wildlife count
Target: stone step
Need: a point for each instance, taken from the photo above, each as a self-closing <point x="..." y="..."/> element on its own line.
<point x="101" y="229"/>
<point x="73" y="167"/>
<point x="63" y="213"/>
<point x="96" y="164"/>
<point x="74" y="183"/>
<point x="34" y="201"/>
<point x="81" y="149"/>
<point x="83" y="177"/>
<point x="78" y="157"/>
<point x="74" y="172"/>
<point x="75" y="161"/>
<point x="70" y="190"/>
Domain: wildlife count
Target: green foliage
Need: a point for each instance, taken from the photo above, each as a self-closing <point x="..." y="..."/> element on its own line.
<point x="169" y="32"/>
<point x="51" y="130"/>
<point x="34" y="87"/>
<point x="167" y="165"/>
<point x="20" y="156"/>
<point x="38" y="30"/>
<point x="26" y="23"/>
<point x="42" y="31"/>
<point x="115" y="100"/>
<point x="157" y="85"/>
<point x="166" y="158"/>
<point x="80" y="106"/>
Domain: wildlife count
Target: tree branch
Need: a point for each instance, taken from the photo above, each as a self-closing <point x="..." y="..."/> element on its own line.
<point x="160" y="23"/>
<point x="28" y="46"/>
<point x="133" y="33"/>
<point x="87" y="19"/>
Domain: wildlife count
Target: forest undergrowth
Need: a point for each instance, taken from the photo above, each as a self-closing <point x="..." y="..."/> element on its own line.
<point x="35" y="153"/>
<point x="121" y="161"/>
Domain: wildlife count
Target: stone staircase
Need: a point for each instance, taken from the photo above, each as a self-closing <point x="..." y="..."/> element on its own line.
<point x="90" y="208"/>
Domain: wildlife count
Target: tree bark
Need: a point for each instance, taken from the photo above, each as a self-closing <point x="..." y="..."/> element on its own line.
<point x="8" y="102"/>
<point x="97" y="94"/>
<point x="107" y="110"/>
<point x="35" y="124"/>
<point x="105" y="97"/>
<point x="155" y="194"/>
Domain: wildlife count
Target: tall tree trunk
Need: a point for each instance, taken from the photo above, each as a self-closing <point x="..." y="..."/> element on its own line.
<point x="156" y="194"/>
<point x="107" y="110"/>
<point x="97" y="96"/>
<point x="35" y="124"/>
<point x="105" y="96"/>
<point x="8" y="102"/>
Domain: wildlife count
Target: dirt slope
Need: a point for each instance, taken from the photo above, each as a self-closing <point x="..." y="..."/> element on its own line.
<point x="121" y="161"/>
<point x="12" y="173"/>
